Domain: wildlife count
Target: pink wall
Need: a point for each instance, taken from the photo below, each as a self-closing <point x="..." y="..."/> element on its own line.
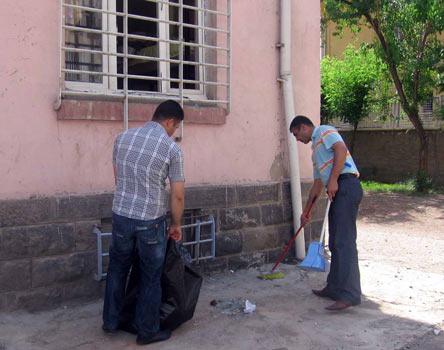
<point x="40" y="155"/>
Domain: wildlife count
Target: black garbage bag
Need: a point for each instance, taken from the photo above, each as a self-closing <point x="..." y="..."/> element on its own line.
<point x="180" y="289"/>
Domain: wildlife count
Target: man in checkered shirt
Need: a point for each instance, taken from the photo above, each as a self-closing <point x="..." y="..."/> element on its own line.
<point x="143" y="159"/>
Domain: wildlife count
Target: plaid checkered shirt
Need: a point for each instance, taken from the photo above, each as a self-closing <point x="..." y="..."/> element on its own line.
<point x="144" y="158"/>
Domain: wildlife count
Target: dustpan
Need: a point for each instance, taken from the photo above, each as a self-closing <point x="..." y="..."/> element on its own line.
<point x="315" y="259"/>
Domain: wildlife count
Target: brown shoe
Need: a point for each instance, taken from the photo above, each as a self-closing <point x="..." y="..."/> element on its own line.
<point x="323" y="293"/>
<point x="338" y="305"/>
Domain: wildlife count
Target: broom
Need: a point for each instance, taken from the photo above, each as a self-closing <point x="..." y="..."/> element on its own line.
<point x="315" y="259"/>
<point x="276" y="275"/>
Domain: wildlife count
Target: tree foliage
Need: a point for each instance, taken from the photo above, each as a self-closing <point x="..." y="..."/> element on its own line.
<point x="352" y="86"/>
<point x="407" y="40"/>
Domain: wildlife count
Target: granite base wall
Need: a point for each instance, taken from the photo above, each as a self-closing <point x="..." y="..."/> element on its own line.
<point x="48" y="250"/>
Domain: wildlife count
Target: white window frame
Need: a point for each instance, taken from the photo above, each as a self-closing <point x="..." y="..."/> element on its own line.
<point x="187" y="92"/>
<point x="110" y="62"/>
<point x="108" y="86"/>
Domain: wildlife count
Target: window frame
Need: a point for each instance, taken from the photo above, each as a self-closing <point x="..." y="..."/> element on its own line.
<point x="102" y="87"/>
<point x="109" y="61"/>
<point x="200" y="93"/>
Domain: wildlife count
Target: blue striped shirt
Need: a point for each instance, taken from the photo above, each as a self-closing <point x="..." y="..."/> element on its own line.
<point x="323" y="138"/>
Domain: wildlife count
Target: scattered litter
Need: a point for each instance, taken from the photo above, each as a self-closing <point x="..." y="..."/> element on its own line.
<point x="231" y="271"/>
<point x="436" y="331"/>
<point x="233" y="306"/>
<point x="249" y="307"/>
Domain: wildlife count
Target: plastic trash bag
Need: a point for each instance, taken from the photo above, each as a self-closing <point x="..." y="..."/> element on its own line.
<point x="180" y="289"/>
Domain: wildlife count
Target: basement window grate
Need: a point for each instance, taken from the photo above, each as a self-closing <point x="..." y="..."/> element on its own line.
<point x="198" y="237"/>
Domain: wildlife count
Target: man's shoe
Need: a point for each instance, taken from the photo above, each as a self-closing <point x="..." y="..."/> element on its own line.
<point x="156" y="337"/>
<point x="323" y="293"/>
<point x="109" y="330"/>
<point x="339" y="305"/>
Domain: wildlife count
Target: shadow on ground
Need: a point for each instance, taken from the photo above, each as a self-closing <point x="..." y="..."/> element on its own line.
<point x="386" y="208"/>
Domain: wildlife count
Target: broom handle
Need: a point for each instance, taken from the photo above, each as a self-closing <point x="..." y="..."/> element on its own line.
<point x="324" y="224"/>
<point x="290" y="242"/>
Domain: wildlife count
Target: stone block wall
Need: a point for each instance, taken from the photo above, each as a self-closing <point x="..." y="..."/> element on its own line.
<point x="392" y="155"/>
<point x="48" y="250"/>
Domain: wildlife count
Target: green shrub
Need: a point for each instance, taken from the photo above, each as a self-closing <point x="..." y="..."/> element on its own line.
<point x="423" y="182"/>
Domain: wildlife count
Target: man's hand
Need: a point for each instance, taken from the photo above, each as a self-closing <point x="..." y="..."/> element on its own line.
<point x="175" y="232"/>
<point x="332" y="188"/>
<point x="305" y="218"/>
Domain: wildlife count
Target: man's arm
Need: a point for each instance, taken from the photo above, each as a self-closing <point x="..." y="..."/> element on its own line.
<point x="315" y="192"/>
<point x="115" y="174"/>
<point x="177" y="202"/>
<point x="340" y="154"/>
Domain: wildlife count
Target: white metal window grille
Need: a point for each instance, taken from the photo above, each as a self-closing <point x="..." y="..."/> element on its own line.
<point x="147" y="49"/>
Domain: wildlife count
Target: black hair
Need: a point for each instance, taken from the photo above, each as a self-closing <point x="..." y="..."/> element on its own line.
<point x="167" y="110"/>
<point x="299" y="120"/>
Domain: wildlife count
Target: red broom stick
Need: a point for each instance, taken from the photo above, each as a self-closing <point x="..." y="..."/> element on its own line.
<point x="290" y="242"/>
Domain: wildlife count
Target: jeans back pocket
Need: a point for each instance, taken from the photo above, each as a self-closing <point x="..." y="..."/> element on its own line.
<point x="149" y="234"/>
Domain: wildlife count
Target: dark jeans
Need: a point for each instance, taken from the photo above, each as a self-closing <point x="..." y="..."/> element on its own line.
<point x="343" y="281"/>
<point x="149" y="239"/>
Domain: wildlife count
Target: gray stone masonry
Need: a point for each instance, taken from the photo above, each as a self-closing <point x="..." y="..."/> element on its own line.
<point x="48" y="250"/>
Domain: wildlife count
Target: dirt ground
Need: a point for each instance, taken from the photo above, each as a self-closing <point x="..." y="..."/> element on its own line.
<point x="401" y="247"/>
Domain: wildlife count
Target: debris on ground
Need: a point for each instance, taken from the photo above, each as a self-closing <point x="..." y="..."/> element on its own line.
<point x="271" y="276"/>
<point x="233" y="306"/>
<point x="249" y="307"/>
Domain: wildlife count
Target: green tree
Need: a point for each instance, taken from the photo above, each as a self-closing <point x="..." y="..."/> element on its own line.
<point x="407" y="41"/>
<point x="349" y="86"/>
<point x="440" y="112"/>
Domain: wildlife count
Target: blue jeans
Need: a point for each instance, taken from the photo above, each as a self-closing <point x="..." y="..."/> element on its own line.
<point x="149" y="239"/>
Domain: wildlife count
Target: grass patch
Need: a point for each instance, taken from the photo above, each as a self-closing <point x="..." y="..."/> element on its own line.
<point x="407" y="187"/>
<point x="400" y="187"/>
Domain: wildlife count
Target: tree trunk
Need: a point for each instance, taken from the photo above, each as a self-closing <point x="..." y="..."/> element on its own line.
<point x="352" y="141"/>
<point x="423" y="142"/>
<point x="423" y="153"/>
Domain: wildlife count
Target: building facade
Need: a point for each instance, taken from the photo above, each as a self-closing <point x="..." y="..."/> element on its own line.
<point x="69" y="71"/>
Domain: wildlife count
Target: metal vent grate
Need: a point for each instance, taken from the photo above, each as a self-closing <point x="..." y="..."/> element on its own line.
<point x="198" y="233"/>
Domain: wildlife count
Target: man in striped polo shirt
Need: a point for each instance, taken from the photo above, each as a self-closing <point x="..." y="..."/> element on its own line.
<point x="143" y="159"/>
<point x="335" y="170"/>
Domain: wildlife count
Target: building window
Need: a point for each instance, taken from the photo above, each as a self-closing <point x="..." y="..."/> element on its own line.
<point x="152" y="49"/>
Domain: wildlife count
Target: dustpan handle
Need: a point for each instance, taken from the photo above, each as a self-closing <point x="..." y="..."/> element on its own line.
<point x="324" y="224"/>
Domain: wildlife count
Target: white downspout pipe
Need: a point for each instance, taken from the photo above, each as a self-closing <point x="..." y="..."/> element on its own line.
<point x="287" y="88"/>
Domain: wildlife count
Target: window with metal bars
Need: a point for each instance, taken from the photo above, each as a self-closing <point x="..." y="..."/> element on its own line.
<point x="151" y="49"/>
